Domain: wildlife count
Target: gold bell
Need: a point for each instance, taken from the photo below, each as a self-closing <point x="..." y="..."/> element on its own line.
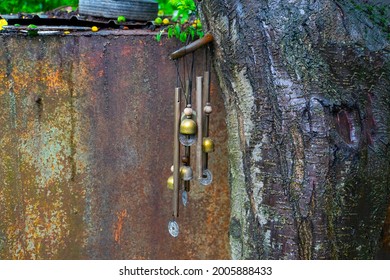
<point x="208" y="145"/>
<point x="186" y="173"/>
<point x="188" y="127"/>
<point x="170" y="183"/>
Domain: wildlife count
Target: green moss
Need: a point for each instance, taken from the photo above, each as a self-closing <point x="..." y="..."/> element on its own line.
<point x="379" y="14"/>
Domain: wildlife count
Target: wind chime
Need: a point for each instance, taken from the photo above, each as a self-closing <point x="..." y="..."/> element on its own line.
<point x="191" y="126"/>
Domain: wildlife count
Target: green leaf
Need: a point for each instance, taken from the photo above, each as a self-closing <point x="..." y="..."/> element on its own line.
<point x="192" y="32"/>
<point x="184" y="19"/>
<point x="121" y="19"/>
<point x="175" y="15"/>
<point x="200" y="33"/>
<point x="177" y="30"/>
<point x="183" y="37"/>
<point x="174" y="2"/>
<point x="158" y="36"/>
<point x="170" y="31"/>
<point x="190" y="4"/>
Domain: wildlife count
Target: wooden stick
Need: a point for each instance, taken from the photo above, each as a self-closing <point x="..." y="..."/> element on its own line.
<point x="192" y="47"/>
<point x="176" y="154"/>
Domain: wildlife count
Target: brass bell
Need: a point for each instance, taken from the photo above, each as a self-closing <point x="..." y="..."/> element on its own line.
<point x="188" y="127"/>
<point x="186" y="173"/>
<point x="208" y="145"/>
<point x="170" y="183"/>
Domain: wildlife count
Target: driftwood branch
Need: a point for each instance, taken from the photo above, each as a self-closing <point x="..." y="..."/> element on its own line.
<point x="192" y="47"/>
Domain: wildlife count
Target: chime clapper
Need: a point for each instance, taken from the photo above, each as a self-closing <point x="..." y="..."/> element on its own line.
<point x="207" y="38"/>
<point x="176" y="156"/>
<point x="187" y="183"/>
<point x="199" y="117"/>
<point x="173" y="228"/>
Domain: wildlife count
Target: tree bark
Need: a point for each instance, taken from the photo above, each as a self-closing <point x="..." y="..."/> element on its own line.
<point x="306" y="89"/>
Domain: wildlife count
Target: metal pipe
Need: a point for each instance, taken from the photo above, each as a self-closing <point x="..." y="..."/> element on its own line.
<point x="207" y="81"/>
<point x="206" y="92"/>
<point x="187" y="187"/>
<point x="199" y="120"/>
<point x="187" y="149"/>
<point x="176" y="154"/>
<point x="207" y="38"/>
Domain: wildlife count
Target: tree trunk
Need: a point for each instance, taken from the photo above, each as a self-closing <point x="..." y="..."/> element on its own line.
<point x="306" y="89"/>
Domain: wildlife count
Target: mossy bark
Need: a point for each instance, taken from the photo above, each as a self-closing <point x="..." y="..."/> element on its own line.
<point x="306" y="89"/>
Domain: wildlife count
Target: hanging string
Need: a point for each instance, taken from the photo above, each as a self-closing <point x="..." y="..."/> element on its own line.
<point x="208" y="59"/>
<point x="205" y="58"/>
<point x="179" y="83"/>
<point x="191" y="75"/>
<point x="185" y="91"/>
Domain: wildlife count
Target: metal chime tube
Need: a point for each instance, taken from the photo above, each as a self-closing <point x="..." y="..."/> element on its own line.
<point x="206" y="92"/>
<point x="176" y="154"/>
<point x="187" y="149"/>
<point x="199" y="120"/>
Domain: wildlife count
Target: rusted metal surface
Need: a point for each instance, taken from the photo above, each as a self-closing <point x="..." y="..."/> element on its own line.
<point x="86" y="149"/>
<point x="71" y="19"/>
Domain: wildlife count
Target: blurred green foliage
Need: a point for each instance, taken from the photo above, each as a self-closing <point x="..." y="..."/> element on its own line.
<point x="33" y="6"/>
<point x="181" y="19"/>
<point x="165" y="7"/>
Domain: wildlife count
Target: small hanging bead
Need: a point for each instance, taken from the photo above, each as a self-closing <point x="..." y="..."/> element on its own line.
<point x="208" y="109"/>
<point x="184" y="160"/>
<point x="188" y="111"/>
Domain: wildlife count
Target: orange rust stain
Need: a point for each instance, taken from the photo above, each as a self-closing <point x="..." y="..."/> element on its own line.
<point x="53" y="79"/>
<point x="47" y="75"/>
<point x="19" y="81"/>
<point x="3" y="81"/>
<point x="119" y="225"/>
<point x="100" y="73"/>
<point x="126" y="51"/>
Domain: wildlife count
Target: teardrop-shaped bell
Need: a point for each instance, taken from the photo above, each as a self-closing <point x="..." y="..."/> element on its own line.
<point x="170" y="183"/>
<point x="208" y="145"/>
<point x="188" y="127"/>
<point x="186" y="173"/>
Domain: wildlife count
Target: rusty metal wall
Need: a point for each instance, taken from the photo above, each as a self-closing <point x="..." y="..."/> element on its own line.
<point x="86" y="148"/>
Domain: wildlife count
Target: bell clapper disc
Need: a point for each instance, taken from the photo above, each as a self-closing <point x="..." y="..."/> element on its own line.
<point x="187" y="140"/>
<point x="207" y="178"/>
<point x="173" y="228"/>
